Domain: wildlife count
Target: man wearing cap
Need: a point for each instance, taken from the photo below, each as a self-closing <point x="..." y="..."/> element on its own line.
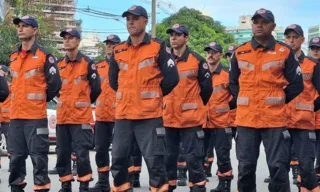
<point x="314" y="46"/>
<point x="218" y="128"/>
<point x="105" y="111"/>
<point x="264" y="76"/>
<point x="80" y="88"/>
<point x="4" y="89"/>
<point x="185" y="112"/>
<point x="300" y="112"/>
<point x="35" y="81"/>
<point x="142" y="71"/>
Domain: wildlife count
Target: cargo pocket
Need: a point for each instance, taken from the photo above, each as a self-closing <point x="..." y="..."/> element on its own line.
<point x="88" y="142"/>
<point x="287" y="140"/>
<point x="199" y="144"/>
<point x="312" y="136"/>
<point x="228" y="132"/>
<point x="160" y="141"/>
<point x="41" y="140"/>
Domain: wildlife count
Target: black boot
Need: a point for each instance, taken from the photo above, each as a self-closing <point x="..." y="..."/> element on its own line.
<point x="18" y="188"/>
<point x="103" y="183"/>
<point x="223" y="186"/>
<point x="295" y="173"/>
<point x="53" y="171"/>
<point x="208" y="170"/>
<point x="267" y="180"/>
<point x="84" y="187"/>
<point x="197" y="189"/>
<point x="182" y="177"/>
<point x="66" y="187"/>
<point x="136" y="180"/>
<point x="74" y="167"/>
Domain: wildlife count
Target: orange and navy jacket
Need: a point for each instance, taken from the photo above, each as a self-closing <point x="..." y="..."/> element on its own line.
<point x="185" y="107"/>
<point x="218" y="105"/>
<point x="35" y="80"/>
<point x="300" y="110"/>
<point x="5" y="108"/>
<point x="262" y="80"/>
<point x="80" y="88"/>
<point x="106" y="102"/>
<point x="142" y="74"/>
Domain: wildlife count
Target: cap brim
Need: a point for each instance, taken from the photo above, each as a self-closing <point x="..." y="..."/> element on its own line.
<point x="112" y="41"/>
<point x="126" y="13"/>
<point x="211" y="48"/>
<point x="295" y="30"/>
<point x="64" y="33"/>
<point x="17" y="20"/>
<point x="264" y="17"/>
<point x="174" y="30"/>
<point x="314" y="45"/>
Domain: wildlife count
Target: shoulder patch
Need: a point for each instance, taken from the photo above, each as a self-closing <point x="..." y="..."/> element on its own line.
<point x="51" y="59"/>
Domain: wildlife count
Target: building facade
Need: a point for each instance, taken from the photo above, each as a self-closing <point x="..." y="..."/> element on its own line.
<point x="243" y="32"/>
<point x="313" y="31"/>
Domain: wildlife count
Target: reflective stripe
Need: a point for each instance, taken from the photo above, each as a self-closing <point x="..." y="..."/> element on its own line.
<point x="5" y="110"/>
<point x="123" y="187"/>
<point x="114" y="104"/>
<point x="14" y="73"/>
<point x="119" y="95"/>
<point x="307" y="76"/>
<point x="85" y="178"/>
<point x="42" y="131"/>
<point x="123" y="66"/>
<point x="243" y="101"/>
<point x="64" y="81"/>
<point x="245" y="65"/>
<point x="187" y="106"/>
<point x="268" y="65"/>
<point x="163" y="188"/>
<point x="98" y="103"/>
<point x="202" y="183"/>
<point x="102" y="79"/>
<point x="149" y="94"/>
<point x="59" y="104"/>
<point x="222" y="109"/>
<point x="32" y="73"/>
<point x="39" y="187"/>
<point x="66" y="178"/>
<point x="275" y="100"/>
<point x="12" y="96"/>
<point x="85" y="126"/>
<point x="218" y="88"/>
<point x="35" y="96"/>
<point x="78" y="79"/>
<point x="304" y="106"/>
<point x="82" y="104"/>
<point x="185" y="74"/>
<point x="103" y="169"/>
<point x="145" y="63"/>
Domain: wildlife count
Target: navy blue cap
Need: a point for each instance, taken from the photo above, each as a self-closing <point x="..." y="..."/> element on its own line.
<point x="29" y="20"/>
<point x="314" y="42"/>
<point x="231" y="49"/>
<point x="136" y="10"/>
<point x="72" y="32"/>
<point x="179" y="28"/>
<point x="213" y="46"/>
<point x="4" y="68"/>
<point x="113" y="39"/>
<point x="294" y="27"/>
<point x="265" y="14"/>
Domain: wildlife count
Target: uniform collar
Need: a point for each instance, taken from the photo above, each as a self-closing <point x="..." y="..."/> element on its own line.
<point x="184" y="56"/>
<point x="78" y="57"/>
<point x="218" y="69"/>
<point x="146" y="40"/>
<point x="301" y="57"/>
<point x="270" y="45"/>
<point x="33" y="49"/>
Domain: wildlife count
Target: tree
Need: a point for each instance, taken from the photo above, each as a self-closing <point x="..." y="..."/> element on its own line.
<point x="102" y="53"/>
<point x="8" y="35"/>
<point x="202" y="30"/>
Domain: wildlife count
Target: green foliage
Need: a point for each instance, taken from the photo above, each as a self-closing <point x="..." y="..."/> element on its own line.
<point x="8" y="36"/>
<point x="102" y="54"/>
<point x="202" y="30"/>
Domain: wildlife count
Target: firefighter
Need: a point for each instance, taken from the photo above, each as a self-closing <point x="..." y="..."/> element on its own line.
<point x="314" y="46"/>
<point x="105" y="111"/>
<point x="264" y="76"/>
<point x="142" y="71"/>
<point x="35" y="81"/>
<point x="5" y="110"/>
<point x="80" y="88"/>
<point x="185" y="112"/>
<point x="301" y="115"/>
<point x="218" y="126"/>
<point x="4" y="88"/>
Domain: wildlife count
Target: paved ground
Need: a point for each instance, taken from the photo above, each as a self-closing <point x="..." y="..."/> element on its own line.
<point x="261" y="174"/>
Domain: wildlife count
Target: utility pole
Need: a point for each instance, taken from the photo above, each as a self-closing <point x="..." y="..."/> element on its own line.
<point x="153" y="21"/>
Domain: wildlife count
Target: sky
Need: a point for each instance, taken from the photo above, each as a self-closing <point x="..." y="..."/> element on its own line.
<point x="303" y="12"/>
